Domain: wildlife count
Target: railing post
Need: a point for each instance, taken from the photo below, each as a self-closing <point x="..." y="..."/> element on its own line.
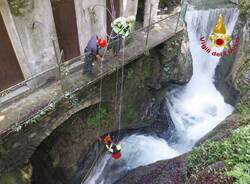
<point x="58" y="61"/>
<point x="62" y="71"/>
<point x="146" y="52"/>
<point x="179" y="16"/>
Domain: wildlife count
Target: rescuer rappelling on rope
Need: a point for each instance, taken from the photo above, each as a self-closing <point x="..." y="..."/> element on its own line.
<point x="114" y="149"/>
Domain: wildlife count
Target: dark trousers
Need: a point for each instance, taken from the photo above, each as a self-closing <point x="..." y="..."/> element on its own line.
<point x="117" y="42"/>
<point x="88" y="63"/>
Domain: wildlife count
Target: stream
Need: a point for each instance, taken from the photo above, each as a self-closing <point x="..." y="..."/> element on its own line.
<point x="195" y="108"/>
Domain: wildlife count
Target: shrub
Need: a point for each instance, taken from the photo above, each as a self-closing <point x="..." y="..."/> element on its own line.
<point x="98" y="117"/>
<point x="234" y="152"/>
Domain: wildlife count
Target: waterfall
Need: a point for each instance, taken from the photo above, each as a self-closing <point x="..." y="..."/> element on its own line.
<point x="198" y="107"/>
<point x="195" y="108"/>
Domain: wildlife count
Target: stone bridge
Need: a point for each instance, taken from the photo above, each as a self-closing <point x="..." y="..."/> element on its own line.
<point x="30" y="120"/>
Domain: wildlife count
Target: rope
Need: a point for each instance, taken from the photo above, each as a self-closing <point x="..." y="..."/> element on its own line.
<point x="101" y="80"/>
<point x="92" y="166"/>
<point x="116" y="94"/>
<point x="99" y="108"/>
<point x="121" y="92"/>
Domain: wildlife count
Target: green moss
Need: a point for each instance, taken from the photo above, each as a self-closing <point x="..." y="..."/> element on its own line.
<point x="239" y="83"/>
<point x="22" y="176"/>
<point x="243" y="107"/>
<point x="18" y="7"/>
<point x="244" y="6"/>
<point x="99" y="117"/>
<point x="234" y="151"/>
<point x="130" y="74"/>
<point x="131" y="113"/>
<point x="146" y="71"/>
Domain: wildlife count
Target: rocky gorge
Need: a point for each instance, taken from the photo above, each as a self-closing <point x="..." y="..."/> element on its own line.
<point x="222" y="156"/>
<point x="67" y="155"/>
<point x="71" y="149"/>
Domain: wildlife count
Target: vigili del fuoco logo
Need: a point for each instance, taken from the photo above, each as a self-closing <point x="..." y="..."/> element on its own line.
<point x="219" y="38"/>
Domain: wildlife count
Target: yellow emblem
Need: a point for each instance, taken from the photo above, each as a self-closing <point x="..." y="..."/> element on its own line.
<point x="219" y="37"/>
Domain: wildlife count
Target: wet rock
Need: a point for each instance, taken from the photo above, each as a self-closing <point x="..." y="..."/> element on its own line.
<point x="171" y="171"/>
<point x="176" y="60"/>
<point x="224" y="129"/>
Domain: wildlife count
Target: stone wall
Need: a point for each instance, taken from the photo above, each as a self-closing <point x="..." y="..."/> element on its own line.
<point x="91" y="20"/>
<point x="36" y="30"/>
<point x="148" y="4"/>
<point x="129" y="7"/>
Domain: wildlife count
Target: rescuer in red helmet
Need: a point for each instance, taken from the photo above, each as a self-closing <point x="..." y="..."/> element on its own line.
<point x="91" y="52"/>
<point x="114" y="149"/>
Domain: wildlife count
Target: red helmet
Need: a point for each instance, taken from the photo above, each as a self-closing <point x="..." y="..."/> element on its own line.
<point x="116" y="155"/>
<point x="101" y="42"/>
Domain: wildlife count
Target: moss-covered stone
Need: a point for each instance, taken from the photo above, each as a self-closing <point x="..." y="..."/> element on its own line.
<point x="244" y="6"/>
<point x="242" y="81"/>
<point x="99" y="117"/>
<point x="131" y="114"/>
<point x="22" y="176"/>
<point x="19" y="7"/>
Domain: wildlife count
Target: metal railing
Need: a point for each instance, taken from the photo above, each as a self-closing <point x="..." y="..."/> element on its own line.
<point x="58" y="68"/>
<point x="61" y="63"/>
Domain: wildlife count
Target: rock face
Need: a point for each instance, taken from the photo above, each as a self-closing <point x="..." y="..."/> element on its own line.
<point x="237" y="78"/>
<point x="162" y="172"/>
<point x="211" y="175"/>
<point x="181" y="70"/>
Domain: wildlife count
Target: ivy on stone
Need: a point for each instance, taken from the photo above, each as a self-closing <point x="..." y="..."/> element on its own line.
<point x="17" y="127"/>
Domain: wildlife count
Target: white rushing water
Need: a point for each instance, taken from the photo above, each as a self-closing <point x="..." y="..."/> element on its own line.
<point x="195" y="108"/>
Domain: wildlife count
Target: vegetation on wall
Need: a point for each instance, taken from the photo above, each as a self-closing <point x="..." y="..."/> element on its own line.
<point x="244" y="6"/>
<point x="241" y="85"/>
<point x="99" y="117"/>
<point x="131" y="113"/>
<point x="146" y="73"/>
<point x="22" y="176"/>
<point x="19" y="7"/>
<point x="243" y="107"/>
<point x="233" y="151"/>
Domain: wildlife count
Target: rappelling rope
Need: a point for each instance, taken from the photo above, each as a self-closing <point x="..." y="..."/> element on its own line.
<point x="100" y="95"/>
<point x="121" y="92"/>
<point x="99" y="127"/>
<point x="92" y="166"/>
<point x="116" y="94"/>
<point x="99" y="108"/>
